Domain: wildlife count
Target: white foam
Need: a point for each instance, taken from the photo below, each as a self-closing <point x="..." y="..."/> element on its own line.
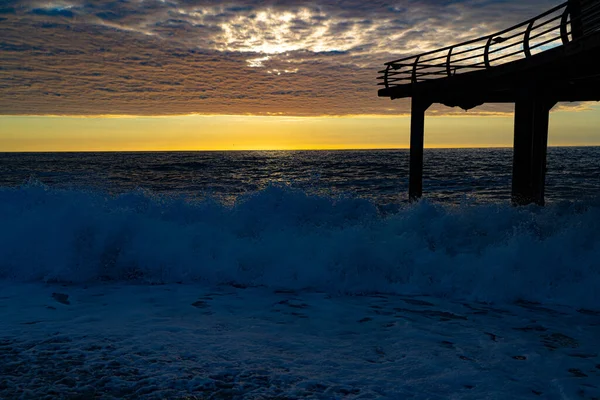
<point x="284" y="238"/>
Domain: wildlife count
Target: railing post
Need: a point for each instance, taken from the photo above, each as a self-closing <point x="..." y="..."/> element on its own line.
<point x="564" y="35"/>
<point x="576" y="20"/>
<point x="413" y="78"/>
<point x="526" y="48"/>
<point x="448" y="69"/>
<point x="385" y="77"/>
<point x="486" y="52"/>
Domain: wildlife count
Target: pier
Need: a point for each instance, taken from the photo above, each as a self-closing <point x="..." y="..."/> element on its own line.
<point x="535" y="64"/>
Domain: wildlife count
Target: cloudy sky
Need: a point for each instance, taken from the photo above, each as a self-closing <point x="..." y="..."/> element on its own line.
<point x="149" y="58"/>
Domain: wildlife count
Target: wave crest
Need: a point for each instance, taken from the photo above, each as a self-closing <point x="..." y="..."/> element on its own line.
<point x="284" y="238"/>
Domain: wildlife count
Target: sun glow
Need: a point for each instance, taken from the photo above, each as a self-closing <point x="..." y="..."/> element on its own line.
<point x="276" y="32"/>
<point x="231" y="132"/>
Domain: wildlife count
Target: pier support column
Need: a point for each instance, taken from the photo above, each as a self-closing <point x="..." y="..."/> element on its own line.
<point x="530" y="144"/>
<point x="417" y="129"/>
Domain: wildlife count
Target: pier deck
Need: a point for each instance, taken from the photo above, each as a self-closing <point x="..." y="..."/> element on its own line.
<point x="534" y="64"/>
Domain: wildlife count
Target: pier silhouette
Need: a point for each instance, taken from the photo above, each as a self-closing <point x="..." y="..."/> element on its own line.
<point x="535" y="64"/>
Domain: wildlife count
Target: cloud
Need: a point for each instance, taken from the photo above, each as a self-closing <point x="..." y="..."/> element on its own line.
<point x="163" y="57"/>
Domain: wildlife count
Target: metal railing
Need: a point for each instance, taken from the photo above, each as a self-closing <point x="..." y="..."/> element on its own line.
<point x="549" y="29"/>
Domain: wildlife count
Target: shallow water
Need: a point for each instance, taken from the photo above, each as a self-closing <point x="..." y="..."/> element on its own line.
<point x="187" y="342"/>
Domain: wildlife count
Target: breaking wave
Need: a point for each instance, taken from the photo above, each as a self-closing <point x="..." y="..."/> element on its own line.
<point x="284" y="238"/>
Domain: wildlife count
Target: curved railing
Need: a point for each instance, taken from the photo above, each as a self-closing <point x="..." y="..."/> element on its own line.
<point x="553" y="28"/>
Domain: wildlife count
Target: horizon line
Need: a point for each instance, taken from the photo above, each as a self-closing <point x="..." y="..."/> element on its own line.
<point x="275" y="150"/>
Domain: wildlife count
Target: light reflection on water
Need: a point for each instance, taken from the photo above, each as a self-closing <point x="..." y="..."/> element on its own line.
<point x="450" y="175"/>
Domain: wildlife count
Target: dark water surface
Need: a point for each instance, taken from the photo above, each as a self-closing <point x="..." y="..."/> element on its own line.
<point x="451" y="175"/>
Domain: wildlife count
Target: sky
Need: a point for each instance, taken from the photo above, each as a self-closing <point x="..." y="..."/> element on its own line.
<point x="83" y="75"/>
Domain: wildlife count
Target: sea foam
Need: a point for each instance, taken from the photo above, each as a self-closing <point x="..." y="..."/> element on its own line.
<point x="283" y="238"/>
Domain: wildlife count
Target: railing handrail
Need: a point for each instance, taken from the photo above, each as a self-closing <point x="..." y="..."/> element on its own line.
<point x="534" y="32"/>
<point x="483" y="37"/>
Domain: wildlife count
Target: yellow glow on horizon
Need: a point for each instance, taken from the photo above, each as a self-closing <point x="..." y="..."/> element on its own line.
<point x="243" y="132"/>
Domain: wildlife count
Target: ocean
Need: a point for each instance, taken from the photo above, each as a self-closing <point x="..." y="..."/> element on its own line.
<point x="334" y="220"/>
<point x="297" y="274"/>
<point x="451" y="176"/>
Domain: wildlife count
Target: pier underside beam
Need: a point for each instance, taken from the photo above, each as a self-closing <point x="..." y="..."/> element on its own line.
<point x="530" y="145"/>
<point x="417" y="129"/>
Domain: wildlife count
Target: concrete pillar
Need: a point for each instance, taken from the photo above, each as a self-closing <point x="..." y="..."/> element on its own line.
<point x="530" y="145"/>
<point x="417" y="128"/>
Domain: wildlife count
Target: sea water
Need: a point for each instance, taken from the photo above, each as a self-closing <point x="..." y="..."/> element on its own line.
<point x="271" y="275"/>
<point x="381" y="176"/>
<point x="333" y="220"/>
